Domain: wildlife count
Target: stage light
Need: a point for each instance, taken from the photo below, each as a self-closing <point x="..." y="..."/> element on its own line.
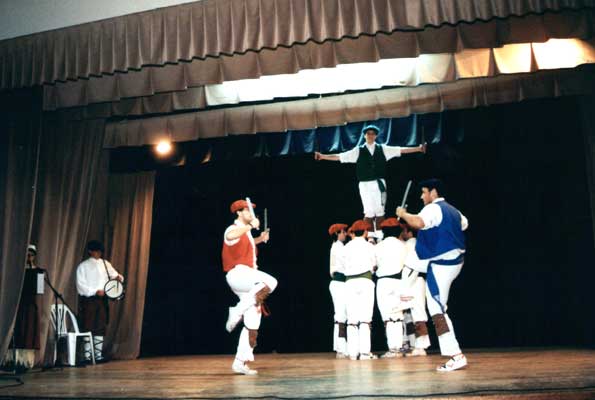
<point x="163" y="148"/>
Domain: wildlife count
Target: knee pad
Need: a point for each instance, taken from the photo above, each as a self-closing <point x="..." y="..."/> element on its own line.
<point x="409" y="328"/>
<point x="342" y="329"/>
<point x="262" y="294"/>
<point x="252" y="335"/>
<point x="421" y="329"/>
<point x="440" y="324"/>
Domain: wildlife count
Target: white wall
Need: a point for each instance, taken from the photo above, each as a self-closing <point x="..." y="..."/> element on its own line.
<point x="23" y="17"/>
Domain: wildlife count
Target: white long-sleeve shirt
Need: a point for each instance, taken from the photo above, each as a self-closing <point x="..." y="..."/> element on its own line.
<point x="351" y="156"/>
<point x="359" y="257"/>
<point x="91" y="276"/>
<point x="337" y="260"/>
<point x="390" y="256"/>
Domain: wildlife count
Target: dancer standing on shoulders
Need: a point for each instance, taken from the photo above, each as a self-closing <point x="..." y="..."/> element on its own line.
<point x="370" y="159"/>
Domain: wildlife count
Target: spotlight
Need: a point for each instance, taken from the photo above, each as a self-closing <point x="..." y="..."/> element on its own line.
<point x="163" y="148"/>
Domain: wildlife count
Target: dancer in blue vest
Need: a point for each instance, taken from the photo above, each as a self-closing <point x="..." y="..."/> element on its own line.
<point x="370" y="159"/>
<point x="440" y="247"/>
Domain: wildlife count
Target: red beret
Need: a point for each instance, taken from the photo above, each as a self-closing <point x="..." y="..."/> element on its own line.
<point x="360" y="225"/>
<point x="334" y="228"/>
<point x="239" y="205"/>
<point x="389" y="222"/>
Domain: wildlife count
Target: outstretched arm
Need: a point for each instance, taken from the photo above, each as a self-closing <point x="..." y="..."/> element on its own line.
<point x="328" y="157"/>
<point x="417" y="149"/>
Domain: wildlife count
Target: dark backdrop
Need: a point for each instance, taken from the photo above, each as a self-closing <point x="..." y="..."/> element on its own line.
<point x="516" y="171"/>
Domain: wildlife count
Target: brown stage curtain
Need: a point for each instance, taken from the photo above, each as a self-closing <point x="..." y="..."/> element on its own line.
<point x="212" y="28"/>
<point x="130" y="200"/>
<point x="184" y="81"/>
<point x="66" y="194"/>
<point x="20" y="129"/>
<point x="337" y="110"/>
<point x="587" y="105"/>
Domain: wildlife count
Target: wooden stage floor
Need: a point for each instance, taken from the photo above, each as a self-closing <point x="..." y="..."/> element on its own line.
<point x="491" y="374"/>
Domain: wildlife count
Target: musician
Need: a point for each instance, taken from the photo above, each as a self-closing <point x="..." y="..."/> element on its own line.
<point x="245" y="280"/>
<point x="439" y="250"/>
<point x="337" y="288"/>
<point x="91" y="277"/>
<point x="370" y="159"/>
<point x="27" y="322"/>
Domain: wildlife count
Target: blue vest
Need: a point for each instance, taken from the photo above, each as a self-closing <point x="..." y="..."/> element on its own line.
<point x="442" y="238"/>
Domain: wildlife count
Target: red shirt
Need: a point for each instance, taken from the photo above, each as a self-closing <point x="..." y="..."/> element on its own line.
<point x="239" y="251"/>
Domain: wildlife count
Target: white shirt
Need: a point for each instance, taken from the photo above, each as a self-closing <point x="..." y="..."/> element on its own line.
<point x="390" y="256"/>
<point x="337" y="261"/>
<point x="359" y="256"/>
<point x="352" y="155"/>
<point x="432" y="217"/>
<point x="91" y="276"/>
<point x="238" y="223"/>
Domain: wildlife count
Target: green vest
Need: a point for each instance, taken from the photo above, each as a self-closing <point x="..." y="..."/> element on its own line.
<point x="368" y="167"/>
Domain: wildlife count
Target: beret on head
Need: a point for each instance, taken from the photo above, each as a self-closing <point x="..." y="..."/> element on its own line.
<point x="360" y="225"/>
<point x="239" y="205"/>
<point x="389" y="223"/>
<point x="335" y="228"/>
<point x="371" y="127"/>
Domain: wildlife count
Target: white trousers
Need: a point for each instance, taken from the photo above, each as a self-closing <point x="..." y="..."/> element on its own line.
<point x="360" y="307"/>
<point x="388" y="297"/>
<point x="444" y="275"/>
<point x="337" y="290"/>
<point x="245" y="282"/>
<point x="373" y="200"/>
<point x="418" y="311"/>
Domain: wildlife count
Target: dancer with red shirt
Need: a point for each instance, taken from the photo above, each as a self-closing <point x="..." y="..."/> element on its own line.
<point x="245" y="280"/>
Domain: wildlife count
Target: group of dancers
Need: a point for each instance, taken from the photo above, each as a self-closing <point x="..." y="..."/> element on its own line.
<point x="428" y="245"/>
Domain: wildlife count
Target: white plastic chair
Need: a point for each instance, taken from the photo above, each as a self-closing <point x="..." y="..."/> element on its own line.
<point x="59" y="322"/>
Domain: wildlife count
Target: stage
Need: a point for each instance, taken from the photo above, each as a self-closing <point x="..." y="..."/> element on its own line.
<point x="491" y="374"/>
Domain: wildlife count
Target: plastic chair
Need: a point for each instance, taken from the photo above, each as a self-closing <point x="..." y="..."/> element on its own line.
<point x="59" y="314"/>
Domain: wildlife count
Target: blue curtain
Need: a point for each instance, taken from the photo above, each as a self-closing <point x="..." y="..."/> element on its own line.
<point x="408" y="131"/>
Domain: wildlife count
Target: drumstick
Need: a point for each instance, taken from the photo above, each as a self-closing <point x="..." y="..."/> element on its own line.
<point x="266" y="222"/>
<point x="250" y="208"/>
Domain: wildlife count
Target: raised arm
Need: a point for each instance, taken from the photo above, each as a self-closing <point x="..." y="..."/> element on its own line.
<point x="263" y="237"/>
<point x="235" y="233"/>
<point x="413" y="220"/>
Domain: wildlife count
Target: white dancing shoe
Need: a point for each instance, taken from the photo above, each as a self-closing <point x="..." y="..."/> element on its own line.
<point x="456" y="362"/>
<point x="240" y="367"/>
<point x="368" y="356"/>
<point x="417" y="352"/>
<point x="342" y="355"/>
<point x="233" y="319"/>
<point x="391" y="354"/>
